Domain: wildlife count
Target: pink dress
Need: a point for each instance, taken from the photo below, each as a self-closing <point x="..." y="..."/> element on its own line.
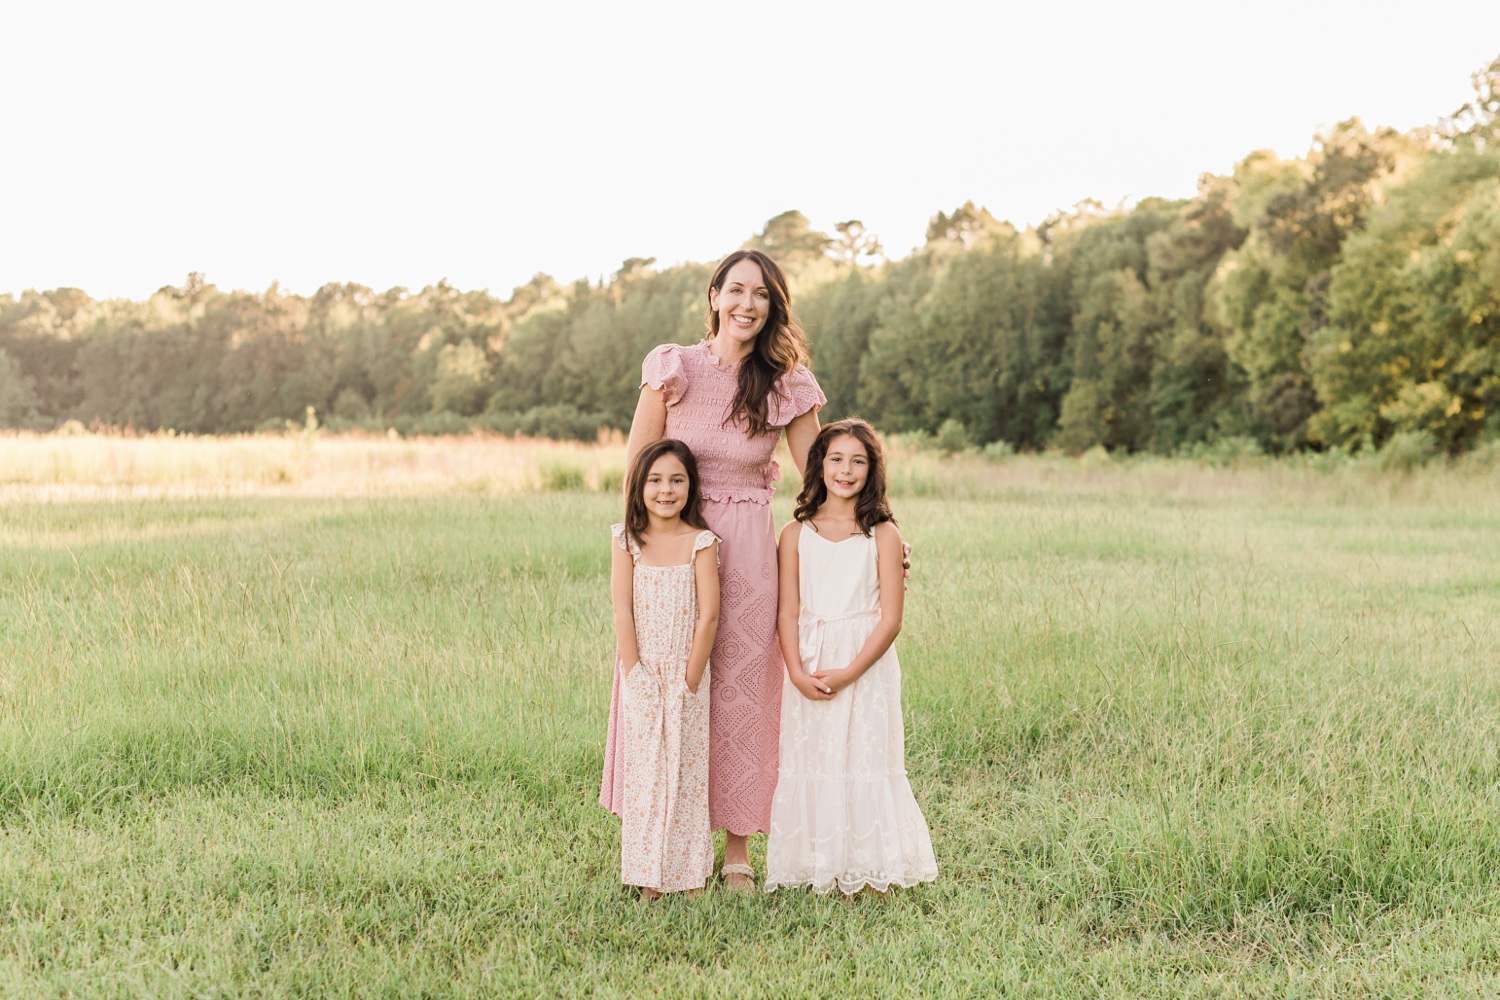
<point x="745" y="666"/>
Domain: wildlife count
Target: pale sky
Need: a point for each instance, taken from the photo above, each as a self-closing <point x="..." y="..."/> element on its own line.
<point x="398" y="144"/>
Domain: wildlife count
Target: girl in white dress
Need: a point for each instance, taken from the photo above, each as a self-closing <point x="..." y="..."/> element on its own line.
<point x="664" y="584"/>
<point x="843" y="814"/>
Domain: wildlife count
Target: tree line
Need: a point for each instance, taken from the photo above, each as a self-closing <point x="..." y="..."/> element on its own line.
<point x="1331" y="300"/>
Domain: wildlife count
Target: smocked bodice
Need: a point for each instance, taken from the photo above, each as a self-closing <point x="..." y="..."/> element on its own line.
<point x="699" y="392"/>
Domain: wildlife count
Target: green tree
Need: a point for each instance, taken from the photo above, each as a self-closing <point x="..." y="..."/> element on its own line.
<point x="1412" y="341"/>
<point x="1274" y="288"/>
<point x="855" y="246"/>
<point x="799" y="249"/>
<point x="1195" y="389"/>
<point x="461" y="383"/>
<point x="885" y="395"/>
<point x="1115" y="327"/>
<point x="17" y="392"/>
<point x="966" y="227"/>
<point x="839" y="317"/>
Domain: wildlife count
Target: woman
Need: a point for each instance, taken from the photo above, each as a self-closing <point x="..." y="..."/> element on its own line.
<point x="730" y="398"/>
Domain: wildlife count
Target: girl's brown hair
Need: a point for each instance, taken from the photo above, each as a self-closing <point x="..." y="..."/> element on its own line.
<point x="871" y="506"/>
<point x="636" y="517"/>
<point x="779" y="348"/>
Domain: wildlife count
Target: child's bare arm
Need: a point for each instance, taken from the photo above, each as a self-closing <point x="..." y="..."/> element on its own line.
<point x="790" y="607"/>
<point x="706" y="574"/>
<point x="622" y="596"/>
<point x="888" y="552"/>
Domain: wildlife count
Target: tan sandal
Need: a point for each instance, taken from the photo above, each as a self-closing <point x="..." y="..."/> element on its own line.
<point x="740" y="877"/>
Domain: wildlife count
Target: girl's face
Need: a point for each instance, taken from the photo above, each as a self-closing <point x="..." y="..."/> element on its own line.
<point x="666" y="490"/>
<point x="743" y="302"/>
<point x="845" y="467"/>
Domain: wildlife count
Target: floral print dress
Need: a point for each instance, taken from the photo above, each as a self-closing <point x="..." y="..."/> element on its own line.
<point x="666" y="843"/>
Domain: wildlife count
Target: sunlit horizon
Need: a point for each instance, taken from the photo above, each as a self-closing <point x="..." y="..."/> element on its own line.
<point x="306" y="146"/>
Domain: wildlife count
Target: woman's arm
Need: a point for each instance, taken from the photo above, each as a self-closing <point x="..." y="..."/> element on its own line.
<point x="622" y="596"/>
<point x="706" y="574"/>
<point x="799" y="438"/>
<point x="648" y="424"/>
<point x="892" y="603"/>
<point x="789" y="609"/>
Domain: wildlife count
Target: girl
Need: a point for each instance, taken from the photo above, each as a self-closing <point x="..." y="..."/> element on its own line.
<point x="843" y="813"/>
<point x="664" y="583"/>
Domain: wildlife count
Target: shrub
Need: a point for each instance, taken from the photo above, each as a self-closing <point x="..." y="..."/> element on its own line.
<point x="908" y="440"/>
<point x="558" y="422"/>
<point x="433" y="424"/>
<point x="1236" y="449"/>
<point x="996" y="450"/>
<point x="611" y="480"/>
<point x="1483" y="458"/>
<point x="1406" y="451"/>
<point x="952" y="436"/>
<point x="561" y="477"/>
<point x="1097" y="455"/>
<point x="350" y="405"/>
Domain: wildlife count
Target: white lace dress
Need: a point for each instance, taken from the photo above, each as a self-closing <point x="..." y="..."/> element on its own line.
<point x="843" y="814"/>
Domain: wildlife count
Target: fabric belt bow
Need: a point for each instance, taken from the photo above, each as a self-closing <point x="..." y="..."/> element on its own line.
<point x="815" y="639"/>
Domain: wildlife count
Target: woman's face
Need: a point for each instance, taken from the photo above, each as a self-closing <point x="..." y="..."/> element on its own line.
<point x="743" y="302"/>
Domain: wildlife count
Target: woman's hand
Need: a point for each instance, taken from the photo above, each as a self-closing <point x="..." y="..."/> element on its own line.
<point x="905" y="565"/>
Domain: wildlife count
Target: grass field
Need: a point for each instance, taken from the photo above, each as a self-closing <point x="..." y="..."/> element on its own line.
<point x="336" y="730"/>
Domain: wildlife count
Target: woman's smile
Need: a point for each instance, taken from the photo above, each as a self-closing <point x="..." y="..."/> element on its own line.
<point x="743" y="302"/>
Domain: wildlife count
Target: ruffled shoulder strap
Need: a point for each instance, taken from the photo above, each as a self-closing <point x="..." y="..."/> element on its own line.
<point x="704" y="540"/>
<point x="794" y="395"/>
<point x="625" y="542"/>
<point x="663" y="370"/>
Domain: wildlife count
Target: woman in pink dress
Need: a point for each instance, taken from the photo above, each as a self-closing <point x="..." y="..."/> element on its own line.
<point x="730" y="398"/>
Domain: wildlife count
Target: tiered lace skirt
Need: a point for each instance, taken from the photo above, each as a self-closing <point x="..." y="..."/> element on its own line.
<point x="843" y="815"/>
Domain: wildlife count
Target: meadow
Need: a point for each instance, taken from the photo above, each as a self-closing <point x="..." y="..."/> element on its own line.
<point x="300" y="715"/>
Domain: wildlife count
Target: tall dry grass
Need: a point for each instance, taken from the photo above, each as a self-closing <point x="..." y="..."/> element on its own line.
<point x="318" y="464"/>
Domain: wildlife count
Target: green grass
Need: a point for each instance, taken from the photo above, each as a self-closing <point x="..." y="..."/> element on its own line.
<point x="1213" y="736"/>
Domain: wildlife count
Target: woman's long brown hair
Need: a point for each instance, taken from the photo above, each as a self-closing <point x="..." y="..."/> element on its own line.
<point x="779" y="348"/>
<point x="636" y="517"/>
<point x="871" y="507"/>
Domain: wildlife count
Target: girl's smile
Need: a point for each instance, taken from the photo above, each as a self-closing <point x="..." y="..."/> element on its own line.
<point x="666" y="487"/>
<point x="845" y="467"/>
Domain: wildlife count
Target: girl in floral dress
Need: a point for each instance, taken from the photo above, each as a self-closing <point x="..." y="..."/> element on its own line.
<point x="664" y="584"/>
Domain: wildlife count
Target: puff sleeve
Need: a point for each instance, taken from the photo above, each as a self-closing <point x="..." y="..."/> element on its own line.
<point x="662" y="370"/>
<point x="795" y="394"/>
